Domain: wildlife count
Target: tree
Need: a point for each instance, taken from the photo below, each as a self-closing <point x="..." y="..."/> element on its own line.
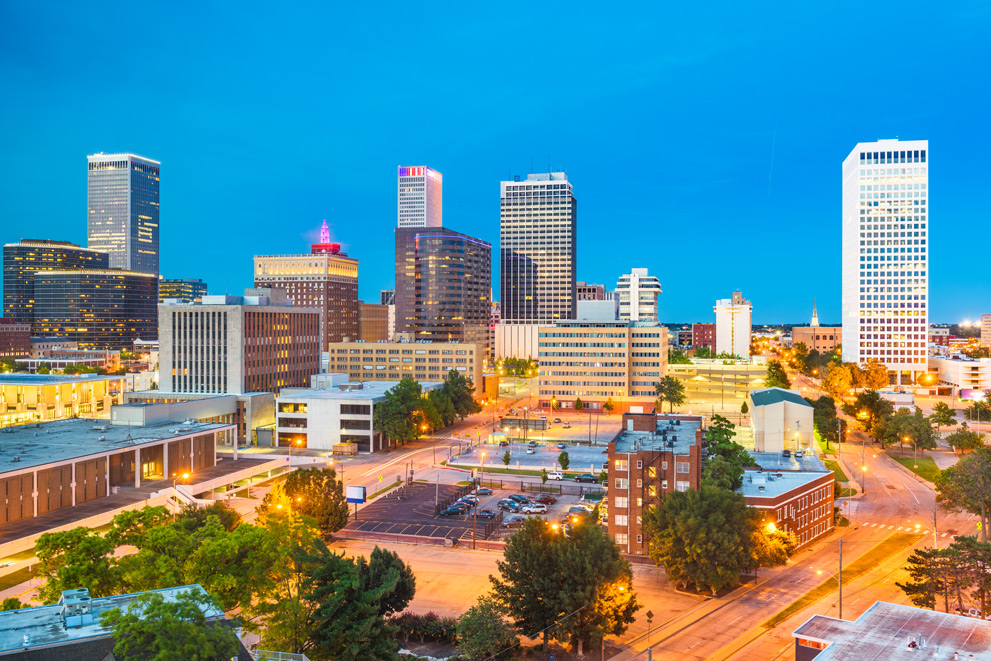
<point x="395" y="417"/>
<point x="129" y="528"/>
<point x="158" y="629"/>
<point x="872" y="411"/>
<point x="744" y="409"/>
<point x="772" y="546"/>
<point x="77" y="558"/>
<point x="312" y="492"/>
<point x="578" y="404"/>
<point x="702" y="537"/>
<point x="443" y="406"/>
<point x="975" y="558"/>
<point x="824" y="418"/>
<point x="543" y="476"/>
<point x="461" y="391"/>
<point x="564" y="460"/>
<point x="722" y="472"/>
<point x="979" y="411"/>
<point x="678" y="357"/>
<point x="965" y="439"/>
<point x="609" y="406"/>
<point x="942" y="416"/>
<point x="599" y="593"/>
<point x="875" y="375"/>
<point x="387" y="568"/>
<point x="967" y="486"/>
<point x="926" y="579"/>
<point x="347" y="622"/>
<point x="507" y="458"/>
<point x="719" y="431"/>
<point x="838" y="380"/>
<point x="12" y="604"/>
<point x="776" y="376"/>
<point x="192" y="517"/>
<point x="483" y="631"/>
<point x="671" y="390"/>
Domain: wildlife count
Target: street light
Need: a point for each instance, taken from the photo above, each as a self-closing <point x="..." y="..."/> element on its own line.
<point x="839" y="578"/>
<point x="474" y="509"/>
<point x="175" y="478"/>
<point x="863" y="480"/>
<point x="298" y="441"/>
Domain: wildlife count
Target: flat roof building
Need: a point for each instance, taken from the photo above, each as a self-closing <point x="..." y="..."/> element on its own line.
<point x="420" y="197"/>
<point x="238" y="344"/>
<point x="638" y="293"/>
<point x="15" y="338"/>
<point x="781" y="420"/>
<point x="800" y="502"/>
<point x="334" y="411"/>
<point x="894" y="631"/>
<point x="733" y="325"/>
<point x="186" y="290"/>
<point x="373" y="322"/>
<point x="962" y="373"/>
<point x="29" y="398"/>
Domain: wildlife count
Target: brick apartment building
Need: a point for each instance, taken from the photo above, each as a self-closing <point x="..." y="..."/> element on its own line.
<point x="651" y="456"/>
<point x="15" y="338"/>
<point x="794" y="494"/>
<point x="704" y="335"/>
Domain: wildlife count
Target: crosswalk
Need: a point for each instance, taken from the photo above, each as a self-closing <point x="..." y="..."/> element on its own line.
<point x="888" y="526"/>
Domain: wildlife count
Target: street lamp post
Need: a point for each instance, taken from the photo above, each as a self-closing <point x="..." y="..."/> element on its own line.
<point x="175" y="478"/>
<point x="474" y="509"/>
<point x="839" y="578"/>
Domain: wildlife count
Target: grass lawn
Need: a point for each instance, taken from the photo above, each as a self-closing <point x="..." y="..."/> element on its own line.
<point x="837" y="471"/>
<point x="384" y="489"/>
<point x="822" y="444"/>
<point x="840" y="485"/>
<point x="928" y="470"/>
<point x="893" y="544"/>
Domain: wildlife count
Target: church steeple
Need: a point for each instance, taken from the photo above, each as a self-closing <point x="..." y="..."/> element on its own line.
<point x="325" y="233"/>
<point x="815" y="315"/>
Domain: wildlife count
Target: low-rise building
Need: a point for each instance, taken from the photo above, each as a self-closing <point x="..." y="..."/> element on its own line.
<point x="780" y="419"/>
<point x="59" y="359"/>
<point x="251" y="413"/>
<point x="39" y="345"/>
<point x="71" y="628"/>
<point x="961" y="373"/>
<point x="599" y="361"/>
<point x="15" y="338"/>
<point x="798" y="501"/>
<point x="422" y="361"/>
<point x="334" y="411"/>
<point x="817" y="338"/>
<point x="704" y="335"/>
<point x="30" y="398"/>
<point x="183" y="290"/>
<point x="651" y="456"/>
<point x="894" y="631"/>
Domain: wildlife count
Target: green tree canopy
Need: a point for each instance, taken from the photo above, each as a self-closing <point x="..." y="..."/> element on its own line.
<point x="776" y="376"/>
<point x="609" y="406"/>
<point x="77" y="558"/>
<point x="156" y="629"/>
<point x="579" y="405"/>
<point x="872" y="411"/>
<point x="942" y="415"/>
<point x="875" y="375"/>
<point x="967" y="486"/>
<point x="824" y="418"/>
<point x="564" y="460"/>
<point x="678" y="357"/>
<point x="671" y="390"/>
<point x="397" y="416"/>
<point x="461" y="391"/>
<point x="965" y="439"/>
<point x="722" y="472"/>
<point x="483" y="631"/>
<point x="312" y="492"/>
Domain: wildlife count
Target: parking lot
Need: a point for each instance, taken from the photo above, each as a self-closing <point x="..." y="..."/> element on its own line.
<point x="414" y="514"/>
<point x="582" y="458"/>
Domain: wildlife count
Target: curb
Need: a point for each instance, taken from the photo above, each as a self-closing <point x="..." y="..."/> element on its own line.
<point x="921" y="480"/>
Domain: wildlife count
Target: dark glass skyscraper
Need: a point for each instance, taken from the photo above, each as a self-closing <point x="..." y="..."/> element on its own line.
<point x="443" y="285"/>
<point x="123" y="210"/>
<point x="187" y="290"/>
<point x="98" y="309"/>
<point x="21" y="261"/>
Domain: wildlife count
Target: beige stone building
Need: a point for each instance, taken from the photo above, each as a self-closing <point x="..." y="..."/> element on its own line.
<point x="28" y="398"/>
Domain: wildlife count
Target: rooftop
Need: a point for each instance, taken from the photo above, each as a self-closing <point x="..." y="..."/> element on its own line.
<point x="350" y="391"/>
<point x="778" y="462"/>
<point x="674" y="434"/>
<point x="46" y="626"/>
<point x="42" y="443"/>
<point x="38" y="380"/>
<point x="771" y="484"/>
<point x="885" y="631"/>
<point x="777" y="395"/>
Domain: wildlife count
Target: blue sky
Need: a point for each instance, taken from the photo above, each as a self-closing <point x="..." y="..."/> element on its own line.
<point x="704" y="144"/>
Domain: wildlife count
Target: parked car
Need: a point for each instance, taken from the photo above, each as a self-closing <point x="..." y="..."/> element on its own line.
<point x="486" y="514"/>
<point x="555" y="476"/>
<point x="460" y="505"/>
<point x="514" y="521"/>
<point x="799" y="454"/>
<point x="587" y="477"/>
<point x="472" y="498"/>
<point x="453" y="511"/>
<point x="531" y="450"/>
<point x="557" y="420"/>
<point x="519" y="499"/>
<point x="504" y="444"/>
<point x="567" y="425"/>
<point x="561" y="446"/>
<point x="508" y="506"/>
<point x="545" y="498"/>
<point x="579" y="509"/>
<point x="786" y="453"/>
<point x="532" y="444"/>
<point x="535" y="508"/>
<point x="483" y="491"/>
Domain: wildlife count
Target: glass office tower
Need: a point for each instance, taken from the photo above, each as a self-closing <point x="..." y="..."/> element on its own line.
<point x="21" y="261"/>
<point x="123" y="210"/>
<point x="538" y="234"/>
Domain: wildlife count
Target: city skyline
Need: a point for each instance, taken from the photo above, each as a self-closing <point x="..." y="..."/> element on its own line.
<point x="760" y="181"/>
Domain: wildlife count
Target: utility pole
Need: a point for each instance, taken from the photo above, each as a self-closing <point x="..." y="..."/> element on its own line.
<point x="841" y="579"/>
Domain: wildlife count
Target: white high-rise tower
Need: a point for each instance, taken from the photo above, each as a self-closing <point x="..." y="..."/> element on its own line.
<point x="420" y="197"/>
<point x="638" y="293"/>
<point x="886" y="256"/>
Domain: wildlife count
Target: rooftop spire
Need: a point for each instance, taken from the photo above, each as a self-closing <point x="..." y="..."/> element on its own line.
<point x="324" y="233"/>
<point x="815" y="315"/>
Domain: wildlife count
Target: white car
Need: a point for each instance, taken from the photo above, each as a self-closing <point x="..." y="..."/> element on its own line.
<point x="555" y="476"/>
<point x="535" y="508"/>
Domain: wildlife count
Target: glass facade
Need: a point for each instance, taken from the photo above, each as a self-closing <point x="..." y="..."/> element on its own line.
<point x="123" y="210"/>
<point x="22" y="260"/>
<point x="443" y="285"/>
<point x="97" y="309"/>
<point x="538" y="237"/>
<point x="188" y="290"/>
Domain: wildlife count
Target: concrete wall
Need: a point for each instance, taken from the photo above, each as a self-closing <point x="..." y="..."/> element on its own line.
<point x="781" y="426"/>
<point x="516" y="341"/>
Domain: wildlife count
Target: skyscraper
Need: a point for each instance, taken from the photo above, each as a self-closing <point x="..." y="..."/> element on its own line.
<point x="886" y="256"/>
<point x="21" y="261"/>
<point x="420" y="197"/>
<point x="443" y="285"/>
<point x="123" y="210"/>
<point x="187" y="290"/>
<point x="538" y="234"/>
<point x="326" y="279"/>
<point x="638" y="296"/>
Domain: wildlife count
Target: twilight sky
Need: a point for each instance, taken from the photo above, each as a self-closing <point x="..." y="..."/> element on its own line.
<point x="704" y="144"/>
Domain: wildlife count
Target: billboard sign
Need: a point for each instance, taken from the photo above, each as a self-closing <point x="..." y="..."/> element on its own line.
<point x="355" y="495"/>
